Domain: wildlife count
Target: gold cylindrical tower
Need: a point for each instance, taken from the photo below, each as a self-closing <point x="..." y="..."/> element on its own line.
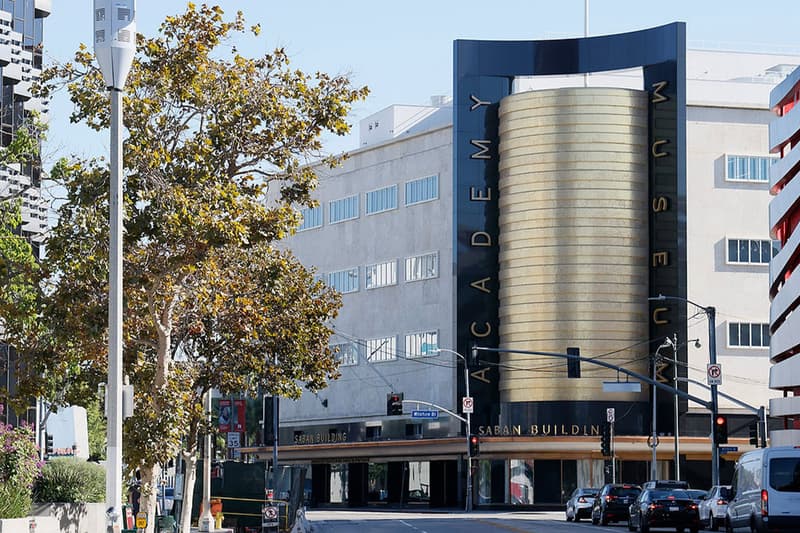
<point x="573" y="239"/>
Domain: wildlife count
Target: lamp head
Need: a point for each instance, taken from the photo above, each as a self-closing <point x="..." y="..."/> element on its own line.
<point x="697" y="343"/>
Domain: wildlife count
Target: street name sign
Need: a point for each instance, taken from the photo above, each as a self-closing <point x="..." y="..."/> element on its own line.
<point x="425" y="414"/>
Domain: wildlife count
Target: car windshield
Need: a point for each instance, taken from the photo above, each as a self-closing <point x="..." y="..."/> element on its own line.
<point x="697" y="494"/>
<point x="589" y="492"/>
<point x="784" y="474"/>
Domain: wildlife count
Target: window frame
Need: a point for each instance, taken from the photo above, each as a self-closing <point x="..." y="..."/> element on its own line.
<point x="354" y="352"/>
<point x="303" y="214"/>
<point x="417" y="180"/>
<point x="729" y="157"/>
<point x="343" y="271"/>
<point x="396" y="205"/>
<point x="369" y="357"/>
<point x="413" y="355"/>
<point x="770" y="243"/>
<point x="367" y="285"/>
<point x="342" y="199"/>
<point x="763" y="330"/>
<point x="423" y="278"/>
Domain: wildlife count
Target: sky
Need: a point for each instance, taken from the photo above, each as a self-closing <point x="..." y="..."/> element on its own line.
<point x="403" y="50"/>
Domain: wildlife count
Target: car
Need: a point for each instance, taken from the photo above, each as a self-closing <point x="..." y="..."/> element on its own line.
<point x="765" y="491"/>
<point x="580" y="503"/>
<point x="417" y="495"/>
<point x="712" y="508"/>
<point x="697" y="495"/>
<point x="613" y="501"/>
<point x="664" y="508"/>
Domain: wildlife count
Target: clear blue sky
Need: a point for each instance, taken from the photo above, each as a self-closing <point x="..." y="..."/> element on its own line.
<point x="403" y="50"/>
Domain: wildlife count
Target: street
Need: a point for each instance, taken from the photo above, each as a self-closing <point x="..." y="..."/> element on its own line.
<point x="325" y="521"/>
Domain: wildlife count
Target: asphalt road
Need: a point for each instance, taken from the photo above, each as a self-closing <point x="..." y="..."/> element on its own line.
<point x="324" y="521"/>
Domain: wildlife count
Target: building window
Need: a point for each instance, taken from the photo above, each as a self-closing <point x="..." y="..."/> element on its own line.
<point x="742" y="335"/>
<point x="748" y="168"/>
<point x="422" y="344"/>
<point x="424" y="266"/>
<point x="374" y="432"/>
<point x="343" y="209"/>
<point x="346" y="353"/>
<point x="344" y="281"/>
<point x="422" y="190"/>
<point x="312" y="218"/>
<point x="381" y="200"/>
<point x="383" y="349"/>
<point x="380" y="274"/>
<point x="750" y="251"/>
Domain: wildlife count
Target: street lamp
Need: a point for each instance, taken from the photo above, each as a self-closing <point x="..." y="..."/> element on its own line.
<point x="469" y="427"/>
<point x="711" y="314"/>
<point x="653" y="470"/>
<point x="114" y="47"/>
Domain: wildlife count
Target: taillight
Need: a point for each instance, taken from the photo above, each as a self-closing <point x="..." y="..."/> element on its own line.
<point x="610" y="497"/>
<point x="581" y="500"/>
<point x="692" y="506"/>
<point x="721" y="502"/>
<point x="764" y="503"/>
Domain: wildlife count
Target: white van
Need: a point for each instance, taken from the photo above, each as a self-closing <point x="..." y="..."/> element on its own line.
<point x="765" y="491"/>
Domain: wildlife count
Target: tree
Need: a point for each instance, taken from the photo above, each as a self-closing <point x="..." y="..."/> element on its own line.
<point x="215" y="167"/>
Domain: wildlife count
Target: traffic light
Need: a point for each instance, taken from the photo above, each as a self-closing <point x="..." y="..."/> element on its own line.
<point x="394" y="404"/>
<point x="474" y="445"/>
<point x="48" y="444"/>
<point x="754" y="433"/>
<point x="721" y="429"/>
<point x="573" y="363"/>
<point x="268" y="417"/>
<point x="605" y="441"/>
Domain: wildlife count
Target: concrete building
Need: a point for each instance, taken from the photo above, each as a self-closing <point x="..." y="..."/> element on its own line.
<point x="21" y="31"/>
<point x="385" y="235"/>
<point x="784" y="288"/>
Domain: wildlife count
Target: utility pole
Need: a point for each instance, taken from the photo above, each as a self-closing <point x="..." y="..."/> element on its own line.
<point x="711" y="314"/>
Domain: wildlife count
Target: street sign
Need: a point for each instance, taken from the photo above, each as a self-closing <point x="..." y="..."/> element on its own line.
<point x="141" y="520"/>
<point x="467" y="405"/>
<point x="610" y="414"/>
<point x="269" y="516"/>
<point x="728" y="449"/>
<point x="425" y="414"/>
<point x="714" y="374"/>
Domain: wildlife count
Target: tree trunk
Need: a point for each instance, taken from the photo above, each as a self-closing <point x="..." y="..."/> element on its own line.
<point x="189" y="478"/>
<point x="150" y="476"/>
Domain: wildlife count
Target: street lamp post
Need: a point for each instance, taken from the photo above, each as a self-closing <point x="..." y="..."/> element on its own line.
<point x="654" y="437"/>
<point x="468" y="498"/>
<point x="114" y="47"/>
<point x="711" y="314"/>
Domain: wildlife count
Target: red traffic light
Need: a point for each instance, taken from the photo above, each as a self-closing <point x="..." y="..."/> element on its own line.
<point x="720" y="420"/>
<point x="473" y="439"/>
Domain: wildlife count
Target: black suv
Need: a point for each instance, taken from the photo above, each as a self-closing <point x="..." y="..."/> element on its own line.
<point x="613" y="502"/>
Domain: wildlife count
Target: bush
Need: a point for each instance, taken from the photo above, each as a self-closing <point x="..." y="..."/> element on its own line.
<point x="19" y="468"/>
<point x="71" y="481"/>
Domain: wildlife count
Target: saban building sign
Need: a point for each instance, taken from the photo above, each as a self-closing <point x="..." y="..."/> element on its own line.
<point x="483" y="75"/>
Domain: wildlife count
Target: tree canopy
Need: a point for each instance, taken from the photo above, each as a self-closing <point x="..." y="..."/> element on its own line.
<point x="215" y="167"/>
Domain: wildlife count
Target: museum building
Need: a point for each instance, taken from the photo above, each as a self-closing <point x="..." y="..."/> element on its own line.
<point x="544" y="209"/>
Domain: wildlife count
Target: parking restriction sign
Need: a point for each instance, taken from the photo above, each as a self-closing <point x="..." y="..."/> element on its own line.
<point x="714" y="373"/>
<point x="467" y="405"/>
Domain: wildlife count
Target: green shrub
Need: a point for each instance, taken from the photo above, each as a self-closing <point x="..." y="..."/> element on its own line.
<point x="19" y="468"/>
<point x="71" y="481"/>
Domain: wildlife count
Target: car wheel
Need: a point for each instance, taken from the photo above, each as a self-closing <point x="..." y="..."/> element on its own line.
<point x="595" y="521"/>
<point x="643" y="528"/>
<point x="569" y="518"/>
<point x="753" y="528"/>
<point x="603" y="519"/>
<point x="577" y="518"/>
<point x="679" y="529"/>
<point x="694" y="530"/>
<point x="713" y="523"/>
<point x="728" y="528"/>
<point x="630" y="525"/>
